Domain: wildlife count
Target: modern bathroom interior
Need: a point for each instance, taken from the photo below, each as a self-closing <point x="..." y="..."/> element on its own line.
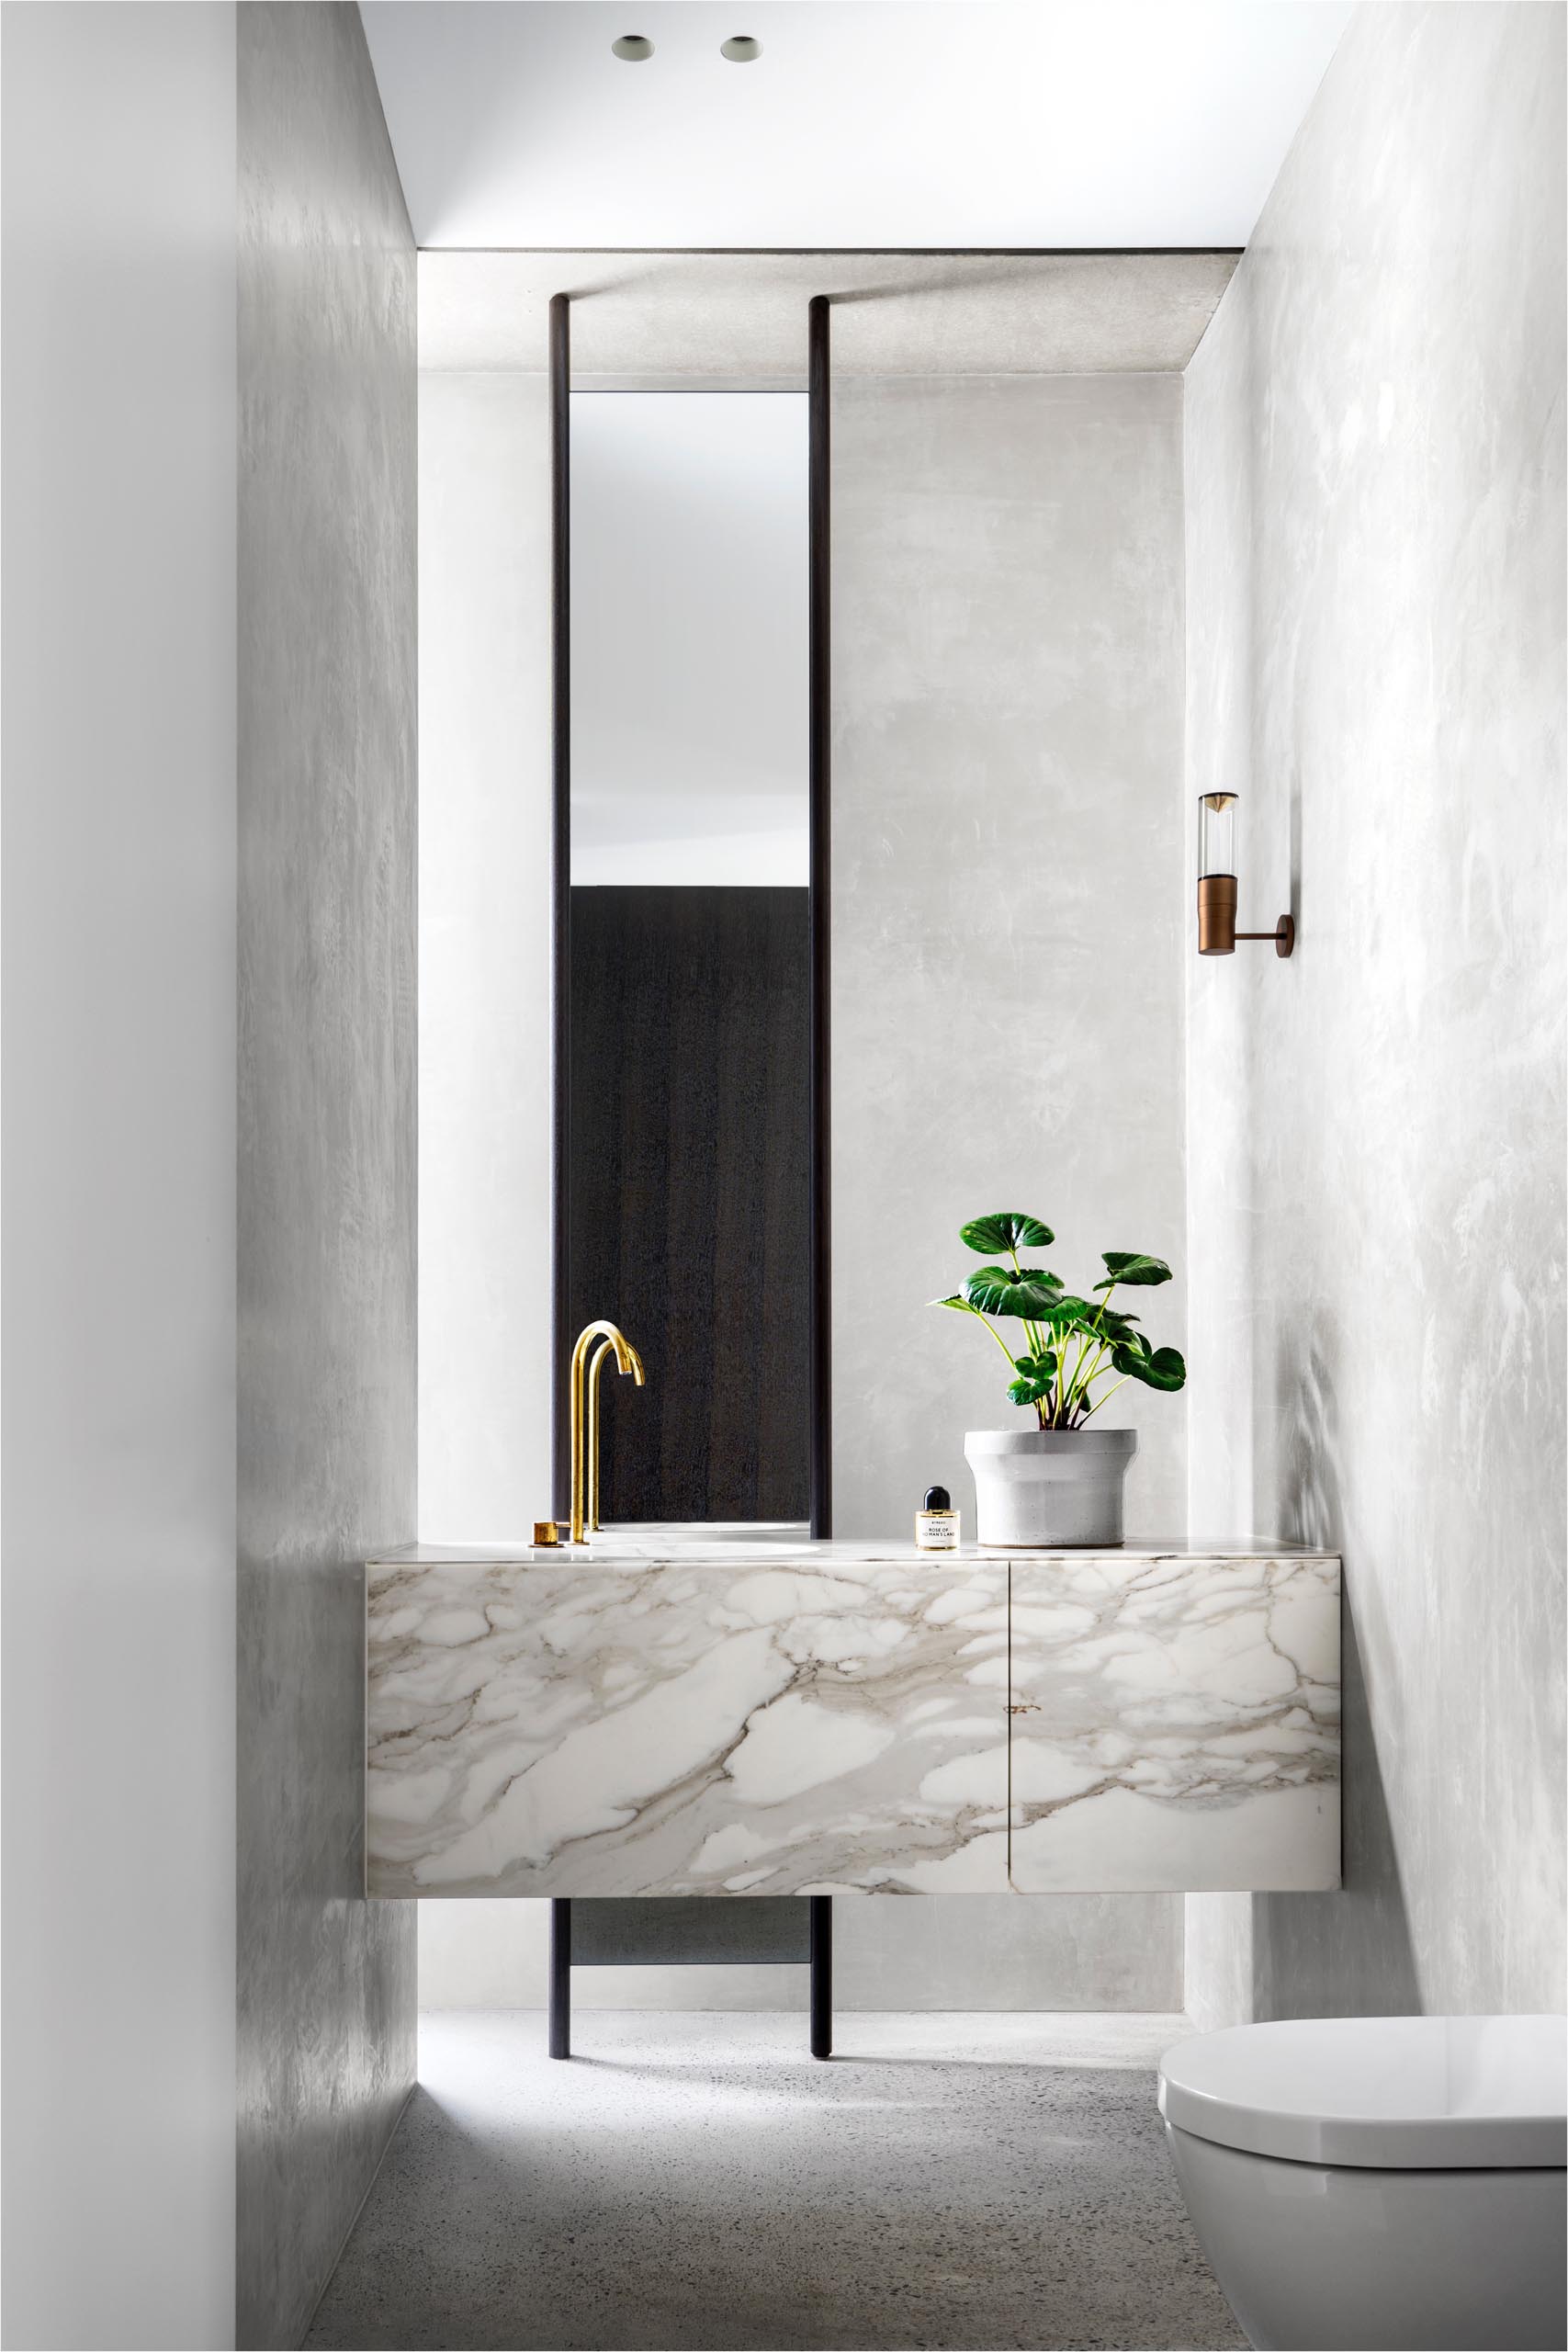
<point x="698" y="696"/>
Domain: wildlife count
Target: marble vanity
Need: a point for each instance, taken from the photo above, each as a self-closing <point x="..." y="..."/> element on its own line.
<point x="743" y="1712"/>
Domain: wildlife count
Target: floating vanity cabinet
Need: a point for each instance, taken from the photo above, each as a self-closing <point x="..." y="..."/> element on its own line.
<point x="756" y="1717"/>
<point x="1175" y="1722"/>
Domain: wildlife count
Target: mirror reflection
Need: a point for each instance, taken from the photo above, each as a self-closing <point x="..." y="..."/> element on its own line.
<point x="687" y="1169"/>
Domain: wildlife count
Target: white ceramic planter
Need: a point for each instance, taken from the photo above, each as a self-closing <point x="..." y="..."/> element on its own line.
<point x="1049" y="1488"/>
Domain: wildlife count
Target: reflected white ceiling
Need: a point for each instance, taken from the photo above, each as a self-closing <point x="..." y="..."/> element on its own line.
<point x="863" y="124"/>
<point x="689" y="700"/>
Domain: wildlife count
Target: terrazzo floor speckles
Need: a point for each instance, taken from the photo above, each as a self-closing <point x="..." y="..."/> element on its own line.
<point x="700" y="2181"/>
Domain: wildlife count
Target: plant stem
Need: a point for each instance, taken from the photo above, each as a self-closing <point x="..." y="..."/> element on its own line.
<point x="1081" y="1387"/>
<point x="1031" y="1331"/>
<point x="996" y="1336"/>
<point x="1106" y="1398"/>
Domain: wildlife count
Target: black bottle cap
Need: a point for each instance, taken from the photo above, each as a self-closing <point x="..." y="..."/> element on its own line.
<point x="938" y="1498"/>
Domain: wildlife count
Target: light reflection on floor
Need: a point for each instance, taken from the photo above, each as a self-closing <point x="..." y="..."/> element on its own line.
<point x="699" y="2180"/>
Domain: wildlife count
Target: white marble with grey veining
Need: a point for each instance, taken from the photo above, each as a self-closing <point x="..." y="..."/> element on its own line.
<point x="610" y="1725"/>
<point x="781" y="1717"/>
<point x="1175" y="1722"/>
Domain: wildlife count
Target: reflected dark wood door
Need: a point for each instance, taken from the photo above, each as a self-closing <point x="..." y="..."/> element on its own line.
<point x="689" y="1193"/>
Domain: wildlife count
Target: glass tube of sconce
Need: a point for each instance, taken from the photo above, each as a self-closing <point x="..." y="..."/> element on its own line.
<point x="1216" y="873"/>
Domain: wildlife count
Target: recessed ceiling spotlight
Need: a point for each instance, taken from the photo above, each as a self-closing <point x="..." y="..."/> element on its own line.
<point x="742" y="49"/>
<point x="632" y="47"/>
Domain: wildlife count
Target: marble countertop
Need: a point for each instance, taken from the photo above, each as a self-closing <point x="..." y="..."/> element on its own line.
<point x="786" y="1545"/>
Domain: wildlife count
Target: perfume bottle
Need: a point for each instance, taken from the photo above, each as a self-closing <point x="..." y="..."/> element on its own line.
<point x="936" y="1526"/>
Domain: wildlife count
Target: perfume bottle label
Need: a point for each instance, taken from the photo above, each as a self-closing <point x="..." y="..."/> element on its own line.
<point x="936" y="1530"/>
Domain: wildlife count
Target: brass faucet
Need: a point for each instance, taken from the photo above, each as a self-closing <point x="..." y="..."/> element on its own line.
<point x="585" y="1417"/>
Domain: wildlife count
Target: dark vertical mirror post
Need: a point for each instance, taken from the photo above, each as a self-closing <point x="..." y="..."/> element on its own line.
<point x="819" y="495"/>
<point x="560" y="1977"/>
<point x="560" y="881"/>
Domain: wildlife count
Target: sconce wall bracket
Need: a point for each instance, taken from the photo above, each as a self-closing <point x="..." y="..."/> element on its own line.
<point x="1283" y="935"/>
<point x="1217" y="933"/>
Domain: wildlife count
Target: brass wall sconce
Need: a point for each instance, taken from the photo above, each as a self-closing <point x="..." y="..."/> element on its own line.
<point x="1217" y="933"/>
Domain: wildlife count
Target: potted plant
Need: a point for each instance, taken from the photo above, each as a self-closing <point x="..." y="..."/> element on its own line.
<point x="1059" y="1483"/>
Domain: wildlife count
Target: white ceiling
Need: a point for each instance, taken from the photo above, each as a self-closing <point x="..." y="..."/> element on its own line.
<point x="863" y="124"/>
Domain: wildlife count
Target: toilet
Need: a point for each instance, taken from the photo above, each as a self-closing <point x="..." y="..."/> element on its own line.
<point x="1359" y="2183"/>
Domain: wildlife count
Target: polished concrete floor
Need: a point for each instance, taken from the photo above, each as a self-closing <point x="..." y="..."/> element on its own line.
<point x="698" y="2180"/>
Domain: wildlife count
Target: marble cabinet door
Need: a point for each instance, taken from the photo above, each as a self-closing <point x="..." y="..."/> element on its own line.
<point x="1174" y="1722"/>
<point x="687" y="1728"/>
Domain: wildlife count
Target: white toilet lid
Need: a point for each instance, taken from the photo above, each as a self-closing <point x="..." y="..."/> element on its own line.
<point x="1415" y="2093"/>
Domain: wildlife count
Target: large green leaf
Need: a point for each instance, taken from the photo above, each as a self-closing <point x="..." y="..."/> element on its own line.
<point x="1131" y="1266"/>
<point x="997" y="1290"/>
<point x="1156" y="1368"/>
<point x="1064" y="1313"/>
<point x="1113" y="1325"/>
<point x="1029" y="1390"/>
<point x="1007" y="1229"/>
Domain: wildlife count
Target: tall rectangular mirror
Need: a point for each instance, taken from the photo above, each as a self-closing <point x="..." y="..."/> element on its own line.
<point x="686" y="1170"/>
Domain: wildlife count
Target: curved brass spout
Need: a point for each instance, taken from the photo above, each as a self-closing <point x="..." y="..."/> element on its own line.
<point x="595" y="1366"/>
<point x="585" y="1417"/>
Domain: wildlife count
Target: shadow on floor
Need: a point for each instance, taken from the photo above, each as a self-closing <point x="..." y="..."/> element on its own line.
<point x="701" y="2182"/>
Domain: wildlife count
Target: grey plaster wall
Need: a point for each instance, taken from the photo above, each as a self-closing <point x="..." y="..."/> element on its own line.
<point x="326" y="1124"/>
<point x="1374" y="442"/>
<point x="1008" y="935"/>
<point x="1008" y="929"/>
<point x="485" y="1233"/>
<point x="935" y="1951"/>
<point x="119" y="1175"/>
